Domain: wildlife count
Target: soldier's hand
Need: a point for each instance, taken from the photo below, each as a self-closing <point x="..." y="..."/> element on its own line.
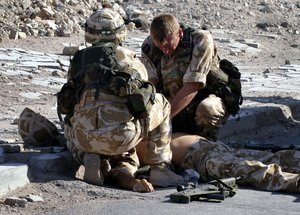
<point x="143" y="186"/>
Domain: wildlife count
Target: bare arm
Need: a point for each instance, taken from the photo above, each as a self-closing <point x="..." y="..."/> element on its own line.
<point x="183" y="97"/>
<point x="128" y="181"/>
<point x="203" y="57"/>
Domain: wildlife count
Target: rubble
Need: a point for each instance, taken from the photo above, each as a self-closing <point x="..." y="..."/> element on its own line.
<point x="51" y="18"/>
<point x="15" y="201"/>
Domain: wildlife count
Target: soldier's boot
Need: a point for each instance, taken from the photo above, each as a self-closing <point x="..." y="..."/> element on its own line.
<point x="162" y="176"/>
<point x="92" y="172"/>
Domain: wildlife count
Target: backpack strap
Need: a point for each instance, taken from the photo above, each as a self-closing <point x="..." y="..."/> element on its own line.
<point x="186" y="38"/>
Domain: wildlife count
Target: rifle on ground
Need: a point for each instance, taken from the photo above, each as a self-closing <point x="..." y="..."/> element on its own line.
<point x="214" y="191"/>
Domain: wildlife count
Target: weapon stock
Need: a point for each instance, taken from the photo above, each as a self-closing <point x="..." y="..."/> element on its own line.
<point x="215" y="191"/>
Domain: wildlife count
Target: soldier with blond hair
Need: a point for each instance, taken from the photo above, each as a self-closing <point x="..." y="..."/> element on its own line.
<point x="180" y="61"/>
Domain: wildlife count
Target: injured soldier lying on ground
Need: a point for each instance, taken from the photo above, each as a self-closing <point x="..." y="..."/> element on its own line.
<point x="279" y="171"/>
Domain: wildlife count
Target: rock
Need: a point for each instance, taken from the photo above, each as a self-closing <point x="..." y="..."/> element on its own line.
<point x="34" y="198"/>
<point x="15" y="201"/>
<point x="46" y="13"/>
<point x="131" y="26"/>
<point x="13" y="35"/>
<point x="70" y="50"/>
<point x="12" y="147"/>
<point x="295" y="45"/>
<point x="21" y="35"/>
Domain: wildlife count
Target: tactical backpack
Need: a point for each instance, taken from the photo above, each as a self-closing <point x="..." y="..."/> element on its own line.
<point x="97" y="67"/>
<point x="225" y="82"/>
<point x="233" y="95"/>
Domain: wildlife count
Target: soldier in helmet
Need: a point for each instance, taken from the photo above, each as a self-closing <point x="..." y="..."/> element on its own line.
<point x="180" y="61"/>
<point x="102" y="132"/>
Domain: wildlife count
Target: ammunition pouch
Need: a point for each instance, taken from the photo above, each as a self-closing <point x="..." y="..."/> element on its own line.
<point x="140" y="100"/>
<point x="139" y="94"/>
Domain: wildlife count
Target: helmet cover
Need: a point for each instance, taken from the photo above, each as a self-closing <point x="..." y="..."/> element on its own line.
<point x="105" y="25"/>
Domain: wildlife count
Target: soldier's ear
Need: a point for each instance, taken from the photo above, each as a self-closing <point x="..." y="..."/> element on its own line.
<point x="180" y="33"/>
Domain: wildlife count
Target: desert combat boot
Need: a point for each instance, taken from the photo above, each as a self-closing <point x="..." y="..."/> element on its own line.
<point x="92" y="172"/>
<point x="162" y="176"/>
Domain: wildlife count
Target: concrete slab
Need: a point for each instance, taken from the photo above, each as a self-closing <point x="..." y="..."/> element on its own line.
<point x="2" y="155"/>
<point x="258" y="115"/>
<point x="233" y="125"/>
<point x="50" y="163"/>
<point x="15" y="175"/>
<point x="15" y="73"/>
<point x="12" y="176"/>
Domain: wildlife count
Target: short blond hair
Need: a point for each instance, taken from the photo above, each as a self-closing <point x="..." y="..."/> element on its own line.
<point x="162" y="26"/>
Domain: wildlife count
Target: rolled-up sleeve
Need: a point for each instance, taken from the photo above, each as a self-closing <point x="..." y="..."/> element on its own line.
<point x="204" y="51"/>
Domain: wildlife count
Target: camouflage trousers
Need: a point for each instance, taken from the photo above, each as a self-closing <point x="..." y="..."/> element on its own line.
<point x="125" y="162"/>
<point x="105" y="126"/>
<point x="264" y="170"/>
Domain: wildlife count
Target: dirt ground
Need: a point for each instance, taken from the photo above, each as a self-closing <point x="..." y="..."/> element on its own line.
<point x="273" y="24"/>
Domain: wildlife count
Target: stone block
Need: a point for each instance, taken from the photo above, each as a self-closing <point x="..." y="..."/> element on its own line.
<point x="12" y="176"/>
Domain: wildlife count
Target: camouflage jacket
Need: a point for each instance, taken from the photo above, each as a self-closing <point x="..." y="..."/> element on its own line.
<point x="195" y="56"/>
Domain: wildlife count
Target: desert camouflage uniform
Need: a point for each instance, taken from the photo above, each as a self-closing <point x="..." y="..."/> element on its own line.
<point x="104" y="125"/>
<point x="261" y="169"/>
<point x="191" y="62"/>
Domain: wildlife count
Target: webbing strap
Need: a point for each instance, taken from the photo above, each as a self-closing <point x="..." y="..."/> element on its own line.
<point x="105" y="32"/>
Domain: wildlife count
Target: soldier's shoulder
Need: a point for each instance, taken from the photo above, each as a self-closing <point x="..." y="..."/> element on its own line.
<point x="147" y="45"/>
<point x="200" y="35"/>
<point x="78" y="53"/>
<point x="121" y="49"/>
<point x="127" y="60"/>
<point x="148" y="40"/>
<point x="124" y="53"/>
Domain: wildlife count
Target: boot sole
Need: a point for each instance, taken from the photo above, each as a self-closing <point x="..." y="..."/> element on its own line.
<point x="92" y="172"/>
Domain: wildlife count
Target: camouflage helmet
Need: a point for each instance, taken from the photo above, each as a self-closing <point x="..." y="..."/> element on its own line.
<point x="36" y="130"/>
<point x="105" y="25"/>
